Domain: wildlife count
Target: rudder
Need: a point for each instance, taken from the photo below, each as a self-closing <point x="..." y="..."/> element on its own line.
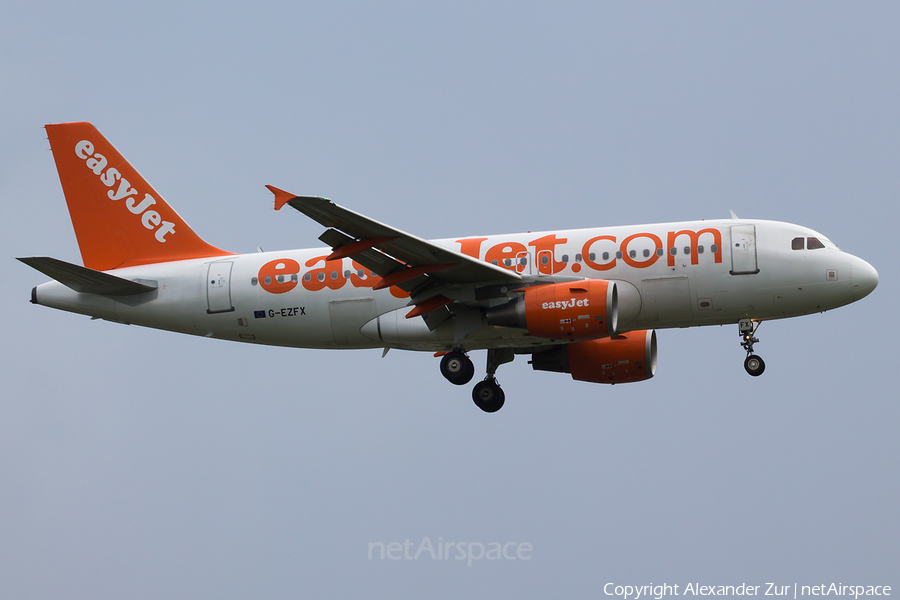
<point x="119" y="219"/>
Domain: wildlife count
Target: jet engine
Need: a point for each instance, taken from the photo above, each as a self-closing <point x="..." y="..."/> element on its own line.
<point x="581" y="310"/>
<point x="619" y="359"/>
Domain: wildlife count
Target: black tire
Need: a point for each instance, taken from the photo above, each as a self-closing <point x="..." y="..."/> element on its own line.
<point x="457" y="368"/>
<point x="754" y="365"/>
<point x="488" y="396"/>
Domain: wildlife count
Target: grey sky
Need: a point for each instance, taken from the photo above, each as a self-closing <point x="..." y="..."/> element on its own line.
<point x="143" y="464"/>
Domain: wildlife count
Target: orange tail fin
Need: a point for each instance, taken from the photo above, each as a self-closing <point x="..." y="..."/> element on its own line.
<point x="119" y="220"/>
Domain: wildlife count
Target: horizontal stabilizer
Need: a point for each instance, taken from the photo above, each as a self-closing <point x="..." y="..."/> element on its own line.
<point x="86" y="281"/>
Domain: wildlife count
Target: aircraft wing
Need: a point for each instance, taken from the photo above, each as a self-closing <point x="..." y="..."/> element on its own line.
<point x="415" y="265"/>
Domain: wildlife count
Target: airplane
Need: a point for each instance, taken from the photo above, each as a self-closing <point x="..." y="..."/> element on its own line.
<point x="586" y="302"/>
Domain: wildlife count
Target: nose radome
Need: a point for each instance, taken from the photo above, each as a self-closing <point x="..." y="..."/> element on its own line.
<point x="865" y="278"/>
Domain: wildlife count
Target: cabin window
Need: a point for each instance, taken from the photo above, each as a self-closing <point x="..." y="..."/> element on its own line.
<point x="321" y="276"/>
<point x="254" y="281"/>
<point x="700" y="249"/>
<point x="659" y="251"/>
<point x="619" y="254"/>
<point x="797" y="244"/>
<point x="507" y="262"/>
<point x="333" y="275"/>
<point x="673" y="251"/>
<point x="713" y="248"/>
<point x="687" y="249"/>
<point x="545" y="259"/>
<point x="280" y="279"/>
<point x="577" y="258"/>
<point x="307" y="277"/>
<point x="632" y="254"/>
<point x="361" y="273"/>
<point x="813" y="244"/>
<point x="494" y="262"/>
<point x="268" y="280"/>
<point x="565" y="258"/>
<point x="294" y="278"/>
<point x="606" y="256"/>
<point x="646" y="253"/>
<point x="347" y="274"/>
<point x="592" y="256"/>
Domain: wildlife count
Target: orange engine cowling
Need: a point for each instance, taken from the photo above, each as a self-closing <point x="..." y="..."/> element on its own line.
<point x="620" y="359"/>
<point x="562" y="311"/>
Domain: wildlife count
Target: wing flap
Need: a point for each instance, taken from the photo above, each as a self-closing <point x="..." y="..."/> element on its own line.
<point x="344" y="246"/>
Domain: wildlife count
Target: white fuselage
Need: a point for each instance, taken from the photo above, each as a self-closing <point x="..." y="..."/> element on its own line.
<point x="668" y="275"/>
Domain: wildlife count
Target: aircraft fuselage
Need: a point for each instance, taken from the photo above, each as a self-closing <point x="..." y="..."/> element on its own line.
<point x="674" y="274"/>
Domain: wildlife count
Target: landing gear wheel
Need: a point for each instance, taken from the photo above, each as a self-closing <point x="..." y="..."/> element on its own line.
<point x="754" y="365"/>
<point x="457" y="368"/>
<point x="488" y="396"/>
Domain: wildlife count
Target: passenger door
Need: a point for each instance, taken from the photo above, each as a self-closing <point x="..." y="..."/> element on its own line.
<point x="218" y="287"/>
<point x="743" y="250"/>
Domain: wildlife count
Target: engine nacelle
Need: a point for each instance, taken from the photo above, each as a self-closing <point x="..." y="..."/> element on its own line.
<point x="620" y="359"/>
<point x="581" y="310"/>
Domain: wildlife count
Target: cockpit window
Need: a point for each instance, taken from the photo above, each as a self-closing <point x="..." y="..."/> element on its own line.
<point x="813" y="243"/>
<point x="829" y="244"/>
<point x="797" y="244"/>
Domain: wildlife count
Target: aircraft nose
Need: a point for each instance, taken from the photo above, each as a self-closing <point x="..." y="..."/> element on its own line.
<point x="865" y="278"/>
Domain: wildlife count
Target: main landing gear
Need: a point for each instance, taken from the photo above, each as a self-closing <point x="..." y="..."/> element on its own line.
<point x="458" y="369"/>
<point x="488" y="396"/>
<point x="753" y="364"/>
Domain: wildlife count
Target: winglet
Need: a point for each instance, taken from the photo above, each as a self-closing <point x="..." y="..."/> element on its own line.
<point x="281" y="197"/>
<point x="734" y="216"/>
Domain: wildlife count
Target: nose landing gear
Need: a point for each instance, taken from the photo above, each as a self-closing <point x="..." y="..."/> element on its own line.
<point x="753" y="364"/>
